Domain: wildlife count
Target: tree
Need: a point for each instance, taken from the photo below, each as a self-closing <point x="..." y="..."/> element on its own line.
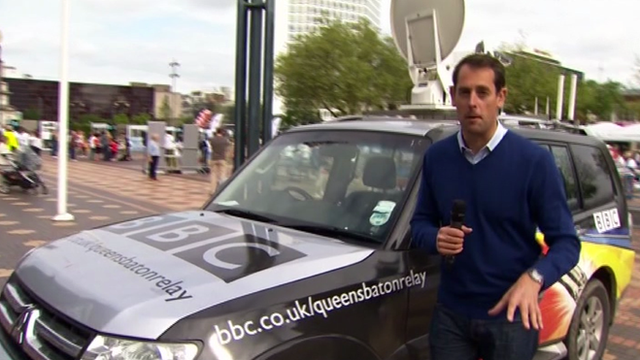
<point x="120" y="119"/>
<point x="165" y="109"/>
<point x="31" y="114"/>
<point x="528" y="79"/>
<point x="599" y="100"/>
<point x="608" y="99"/>
<point x="229" y="114"/>
<point x="140" y="119"/>
<point x="84" y="122"/>
<point x="344" y="68"/>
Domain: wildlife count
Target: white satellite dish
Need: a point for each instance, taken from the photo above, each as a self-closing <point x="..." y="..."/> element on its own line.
<point x="425" y="33"/>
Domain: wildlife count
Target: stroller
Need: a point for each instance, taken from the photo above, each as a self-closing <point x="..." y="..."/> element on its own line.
<point x="19" y="169"/>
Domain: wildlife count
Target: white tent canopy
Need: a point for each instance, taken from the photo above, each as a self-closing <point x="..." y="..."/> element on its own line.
<point x="608" y="131"/>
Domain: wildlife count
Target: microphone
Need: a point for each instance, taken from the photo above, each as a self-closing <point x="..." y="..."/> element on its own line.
<point x="457" y="220"/>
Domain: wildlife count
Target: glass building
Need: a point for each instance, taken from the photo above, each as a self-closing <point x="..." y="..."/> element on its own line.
<point x="41" y="96"/>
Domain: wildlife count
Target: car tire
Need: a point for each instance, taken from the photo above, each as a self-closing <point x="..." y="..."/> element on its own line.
<point x="589" y="329"/>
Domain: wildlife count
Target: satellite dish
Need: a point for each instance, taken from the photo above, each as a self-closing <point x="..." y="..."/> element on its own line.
<point x="422" y="18"/>
<point x="426" y="32"/>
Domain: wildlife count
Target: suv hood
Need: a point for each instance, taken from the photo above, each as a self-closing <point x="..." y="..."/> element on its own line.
<point x="139" y="277"/>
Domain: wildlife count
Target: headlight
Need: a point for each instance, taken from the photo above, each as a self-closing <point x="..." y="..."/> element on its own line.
<point x="107" y="348"/>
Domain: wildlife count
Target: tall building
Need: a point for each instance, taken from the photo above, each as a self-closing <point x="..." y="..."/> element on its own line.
<point x="295" y="17"/>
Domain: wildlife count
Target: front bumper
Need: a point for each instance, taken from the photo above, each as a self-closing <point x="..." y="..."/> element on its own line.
<point x="9" y="350"/>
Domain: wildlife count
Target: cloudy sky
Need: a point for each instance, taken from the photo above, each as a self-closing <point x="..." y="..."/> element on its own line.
<point x="118" y="41"/>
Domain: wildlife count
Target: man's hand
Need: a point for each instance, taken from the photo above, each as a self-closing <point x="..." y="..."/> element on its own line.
<point x="450" y="240"/>
<point x="524" y="296"/>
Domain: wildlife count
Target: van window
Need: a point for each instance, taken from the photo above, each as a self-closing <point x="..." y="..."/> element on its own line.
<point x="596" y="183"/>
<point x="563" y="162"/>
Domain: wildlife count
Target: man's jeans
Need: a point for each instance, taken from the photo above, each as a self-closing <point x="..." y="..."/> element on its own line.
<point x="456" y="337"/>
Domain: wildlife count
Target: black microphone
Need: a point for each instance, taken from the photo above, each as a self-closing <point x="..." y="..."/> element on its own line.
<point x="457" y="220"/>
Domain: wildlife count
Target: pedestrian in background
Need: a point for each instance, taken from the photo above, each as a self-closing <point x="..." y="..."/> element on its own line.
<point x="35" y="142"/>
<point x="494" y="273"/>
<point x="218" y="165"/>
<point x="153" y="156"/>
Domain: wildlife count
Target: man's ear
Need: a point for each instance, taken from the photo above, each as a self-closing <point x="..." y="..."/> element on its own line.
<point x="502" y="97"/>
<point x="452" y="92"/>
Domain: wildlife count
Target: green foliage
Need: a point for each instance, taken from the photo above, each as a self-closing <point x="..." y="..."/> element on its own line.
<point x="299" y="115"/>
<point x="140" y="119"/>
<point x="83" y="122"/>
<point x="229" y="112"/>
<point x="528" y="79"/>
<point x="344" y="68"/>
<point x="120" y="119"/>
<point x="31" y="114"/>
<point x="165" y="109"/>
<point x="599" y="99"/>
<point x="90" y="118"/>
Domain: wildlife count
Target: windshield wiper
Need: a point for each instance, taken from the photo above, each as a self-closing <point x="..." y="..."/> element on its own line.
<point x="332" y="231"/>
<point x="247" y="215"/>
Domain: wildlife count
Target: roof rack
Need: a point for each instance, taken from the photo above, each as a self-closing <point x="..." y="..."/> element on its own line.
<point x="537" y="123"/>
<point x="348" y="118"/>
<point x="508" y="120"/>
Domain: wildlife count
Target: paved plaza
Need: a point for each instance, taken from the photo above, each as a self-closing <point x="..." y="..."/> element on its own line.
<point x="101" y="193"/>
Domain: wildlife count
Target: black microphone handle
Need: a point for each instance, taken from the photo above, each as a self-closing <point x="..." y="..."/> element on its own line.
<point x="456" y="225"/>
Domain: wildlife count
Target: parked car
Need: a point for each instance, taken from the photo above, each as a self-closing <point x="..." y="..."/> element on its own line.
<point x="278" y="266"/>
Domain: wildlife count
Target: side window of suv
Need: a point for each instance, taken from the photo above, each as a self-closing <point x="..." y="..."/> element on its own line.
<point x="563" y="162"/>
<point x="596" y="183"/>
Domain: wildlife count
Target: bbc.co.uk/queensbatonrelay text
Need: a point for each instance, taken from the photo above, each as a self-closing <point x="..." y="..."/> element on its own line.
<point x="310" y="307"/>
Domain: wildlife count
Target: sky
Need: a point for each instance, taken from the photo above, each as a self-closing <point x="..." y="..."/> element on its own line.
<point x="119" y="41"/>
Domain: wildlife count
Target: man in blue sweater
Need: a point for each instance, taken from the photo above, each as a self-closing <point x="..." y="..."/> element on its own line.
<point x="488" y="301"/>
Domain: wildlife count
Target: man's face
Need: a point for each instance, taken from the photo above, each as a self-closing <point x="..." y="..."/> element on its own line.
<point x="476" y="100"/>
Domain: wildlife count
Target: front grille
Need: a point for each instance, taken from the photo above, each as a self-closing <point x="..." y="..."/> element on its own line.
<point x="37" y="330"/>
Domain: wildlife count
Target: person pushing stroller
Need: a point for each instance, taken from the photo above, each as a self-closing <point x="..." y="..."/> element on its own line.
<point x="20" y="169"/>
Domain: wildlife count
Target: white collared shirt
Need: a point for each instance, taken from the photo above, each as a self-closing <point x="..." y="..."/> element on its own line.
<point x="486" y="150"/>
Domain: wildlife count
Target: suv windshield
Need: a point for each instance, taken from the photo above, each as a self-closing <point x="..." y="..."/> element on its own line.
<point x="346" y="184"/>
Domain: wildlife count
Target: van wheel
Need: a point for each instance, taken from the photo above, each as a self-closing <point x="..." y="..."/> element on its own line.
<point x="587" y="337"/>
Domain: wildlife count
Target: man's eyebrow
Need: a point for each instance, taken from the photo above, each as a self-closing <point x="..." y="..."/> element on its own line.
<point x="477" y="87"/>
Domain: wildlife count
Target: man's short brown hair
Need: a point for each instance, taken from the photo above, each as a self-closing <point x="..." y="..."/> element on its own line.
<point x="478" y="61"/>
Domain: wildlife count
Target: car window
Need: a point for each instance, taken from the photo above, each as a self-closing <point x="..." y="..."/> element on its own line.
<point x="563" y="162"/>
<point x="301" y="165"/>
<point x="353" y="181"/>
<point x="596" y="183"/>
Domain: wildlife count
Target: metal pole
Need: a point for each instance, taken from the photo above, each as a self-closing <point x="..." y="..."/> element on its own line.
<point x="172" y="93"/>
<point x="63" y="117"/>
<point x="241" y="84"/>
<point x="560" y="97"/>
<point x="255" y="71"/>
<point x="547" y="106"/>
<point x="572" y="97"/>
<point x="267" y="96"/>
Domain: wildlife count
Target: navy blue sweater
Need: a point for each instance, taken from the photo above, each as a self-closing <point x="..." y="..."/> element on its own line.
<point x="510" y="193"/>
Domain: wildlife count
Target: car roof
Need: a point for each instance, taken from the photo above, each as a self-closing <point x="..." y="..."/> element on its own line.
<point x="554" y="131"/>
